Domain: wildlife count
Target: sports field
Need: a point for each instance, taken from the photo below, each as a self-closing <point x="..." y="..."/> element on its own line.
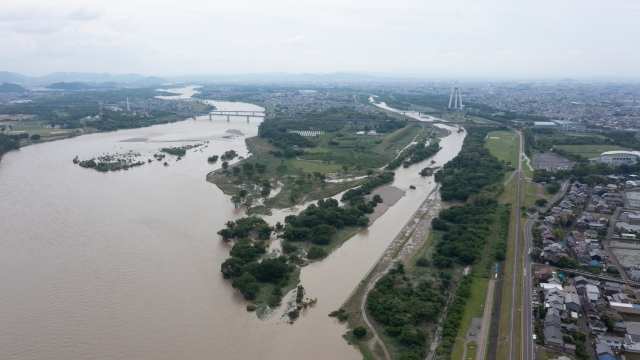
<point x="504" y="145"/>
<point x="588" y="151"/>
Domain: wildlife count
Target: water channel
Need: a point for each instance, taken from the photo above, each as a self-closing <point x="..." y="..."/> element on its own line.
<point x="126" y="264"/>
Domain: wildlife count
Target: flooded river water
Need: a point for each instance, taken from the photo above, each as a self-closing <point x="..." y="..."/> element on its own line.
<point x="126" y="264"/>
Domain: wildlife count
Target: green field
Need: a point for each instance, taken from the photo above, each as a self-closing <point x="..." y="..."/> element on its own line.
<point x="547" y="354"/>
<point x="504" y="146"/>
<point x="462" y="117"/>
<point x="312" y="166"/>
<point x="473" y="309"/>
<point x="588" y="151"/>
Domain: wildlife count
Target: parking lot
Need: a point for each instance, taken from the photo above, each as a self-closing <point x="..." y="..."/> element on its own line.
<point x="550" y="161"/>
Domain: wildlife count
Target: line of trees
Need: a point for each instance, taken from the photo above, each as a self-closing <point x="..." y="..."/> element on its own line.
<point x="471" y="171"/>
<point x="413" y="154"/>
<point x="275" y="130"/>
<point x="8" y="143"/>
<point x="369" y="185"/>
<point x="319" y="223"/>
<point x="454" y="316"/>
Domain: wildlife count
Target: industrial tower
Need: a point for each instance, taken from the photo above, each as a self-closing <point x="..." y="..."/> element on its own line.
<point x="456" y="97"/>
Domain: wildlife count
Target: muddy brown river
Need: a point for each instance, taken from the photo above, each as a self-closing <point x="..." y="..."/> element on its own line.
<point x="126" y="264"/>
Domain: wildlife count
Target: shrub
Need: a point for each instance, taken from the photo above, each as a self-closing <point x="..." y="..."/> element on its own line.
<point x="541" y="202"/>
<point x="315" y="253"/>
<point x="288" y="247"/>
<point x="35" y="137"/>
<point x="359" y="332"/>
<point x="422" y="262"/>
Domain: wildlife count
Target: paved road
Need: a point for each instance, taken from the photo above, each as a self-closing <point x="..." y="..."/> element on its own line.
<point x="486" y="321"/>
<point x="527" y="313"/>
<point x="515" y="304"/>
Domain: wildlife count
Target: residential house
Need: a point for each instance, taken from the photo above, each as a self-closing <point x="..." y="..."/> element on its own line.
<point x="621" y="298"/>
<point x="571" y="328"/>
<point x="596" y="255"/>
<point x="614" y="342"/>
<point x="620" y="327"/>
<point x="572" y="302"/>
<point x="632" y="343"/>
<point x="553" y="338"/>
<point x="590" y="234"/>
<point x="634" y="275"/>
<point x="580" y="280"/>
<point x="545" y="273"/>
<point x="597" y="327"/>
<point x="552" y="320"/>
<point x="570" y="348"/>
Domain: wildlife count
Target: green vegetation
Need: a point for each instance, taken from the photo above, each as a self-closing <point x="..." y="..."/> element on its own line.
<point x="179" y="151"/>
<point x="474" y="175"/>
<point x="8" y="143"/>
<point x="113" y="162"/>
<point x="413" y="154"/>
<point x="359" y="332"/>
<point x="588" y="151"/>
<point x="505" y="145"/>
<point x="249" y="272"/>
<point x="11" y="88"/>
<point x="345" y="113"/>
<point x="212" y="158"/>
<point x="321" y="224"/>
<point x="474" y="308"/>
<point x="370" y="184"/>
<point x="401" y="308"/>
<point x="301" y="173"/>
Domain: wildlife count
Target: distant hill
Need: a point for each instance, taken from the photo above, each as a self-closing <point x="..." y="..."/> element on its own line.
<point x="89" y="77"/>
<point x="70" y="86"/>
<point x="11" y="88"/>
<point x="6" y="76"/>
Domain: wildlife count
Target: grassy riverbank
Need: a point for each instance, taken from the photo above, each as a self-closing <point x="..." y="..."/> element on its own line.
<point x="475" y="176"/>
<point x="315" y="167"/>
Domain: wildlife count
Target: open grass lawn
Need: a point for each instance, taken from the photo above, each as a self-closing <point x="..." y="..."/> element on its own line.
<point x="504" y="146"/>
<point x="473" y="309"/>
<point x="460" y="117"/>
<point x="472" y="350"/>
<point x="588" y="151"/>
<point x="508" y="196"/>
<point x="34" y="128"/>
<point x="534" y="192"/>
<point x="312" y="166"/>
<point x="546" y="354"/>
<point x="352" y="149"/>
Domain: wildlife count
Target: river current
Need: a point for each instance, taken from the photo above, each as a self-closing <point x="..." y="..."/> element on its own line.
<point x="126" y="264"/>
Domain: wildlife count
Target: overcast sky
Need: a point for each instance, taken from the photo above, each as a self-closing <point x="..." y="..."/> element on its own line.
<point x="558" y="38"/>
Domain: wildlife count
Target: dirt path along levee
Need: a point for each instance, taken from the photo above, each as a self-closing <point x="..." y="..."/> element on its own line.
<point x="403" y="248"/>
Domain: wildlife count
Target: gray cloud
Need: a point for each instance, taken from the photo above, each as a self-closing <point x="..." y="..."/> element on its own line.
<point x="426" y="37"/>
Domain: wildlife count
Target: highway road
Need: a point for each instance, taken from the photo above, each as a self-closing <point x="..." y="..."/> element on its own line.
<point x="527" y="288"/>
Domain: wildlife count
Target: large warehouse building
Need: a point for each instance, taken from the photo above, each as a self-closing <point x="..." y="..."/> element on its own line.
<point x="617" y="157"/>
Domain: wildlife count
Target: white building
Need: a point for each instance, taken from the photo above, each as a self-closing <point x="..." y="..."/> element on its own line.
<point x="617" y="157"/>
